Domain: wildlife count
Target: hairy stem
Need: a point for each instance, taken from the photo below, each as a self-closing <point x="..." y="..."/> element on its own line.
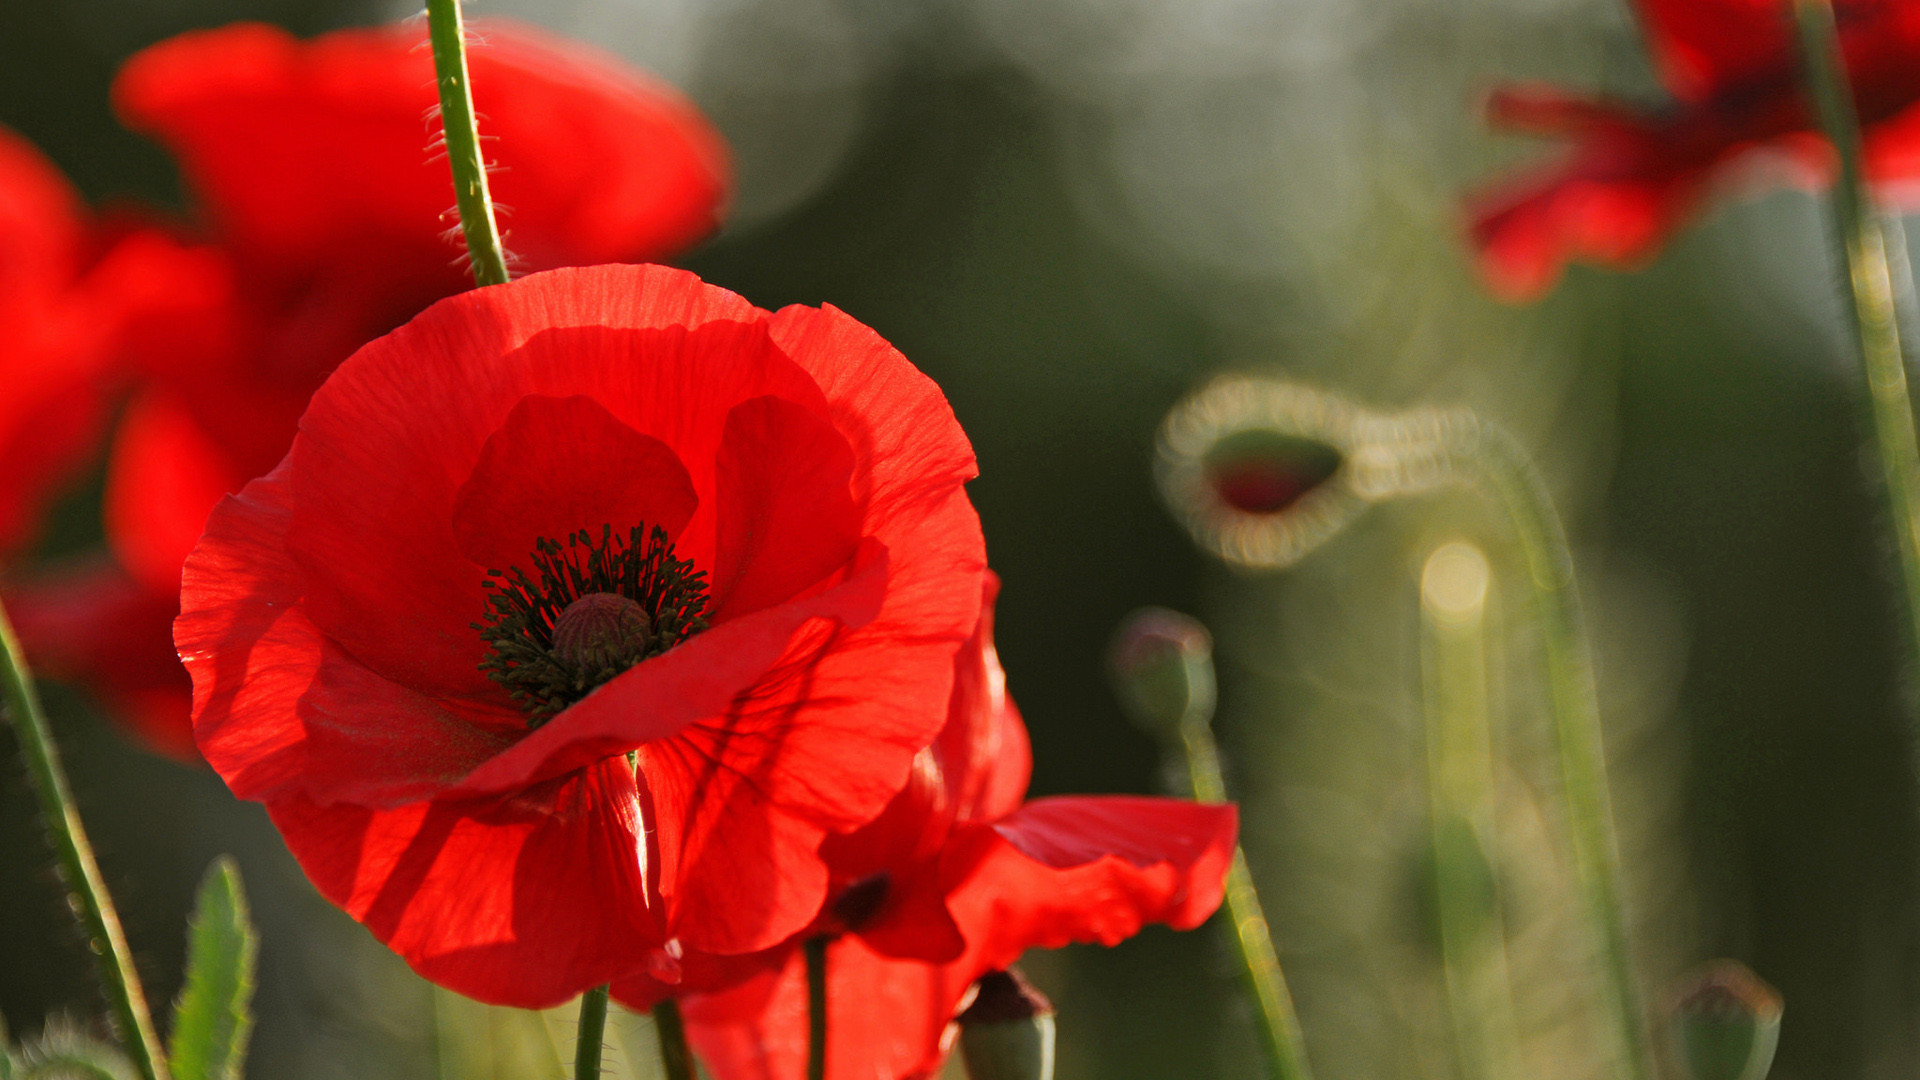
<point x="477" y="223"/>
<point x="1576" y="717"/>
<point x="88" y="896"/>
<point x="1862" y="243"/>
<point x="593" y="1034"/>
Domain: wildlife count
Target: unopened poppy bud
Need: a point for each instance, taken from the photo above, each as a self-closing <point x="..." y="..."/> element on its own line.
<point x="1162" y="664"/>
<point x="1007" y="1033"/>
<point x="1724" y="1024"/>
<point x="1256" y="470"/>
<point x="1262" y="472"/>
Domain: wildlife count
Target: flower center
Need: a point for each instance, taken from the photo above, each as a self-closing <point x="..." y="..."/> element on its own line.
<point x="589" y="611"/>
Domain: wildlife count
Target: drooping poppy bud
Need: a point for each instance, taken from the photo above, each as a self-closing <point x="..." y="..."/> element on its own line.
<point x="1162" y="664"/>
<point x="1724" y="1023"/>
<point x="1008" y="1031"/>
<point x="1261" y="472"/>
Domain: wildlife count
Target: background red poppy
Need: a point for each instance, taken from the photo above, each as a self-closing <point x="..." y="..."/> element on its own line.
<point x="321" y="222"/>
<point x="1635" y="175"/>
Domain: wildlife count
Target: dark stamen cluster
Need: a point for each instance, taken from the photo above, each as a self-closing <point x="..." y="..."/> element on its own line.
<point x="523" y="612"/>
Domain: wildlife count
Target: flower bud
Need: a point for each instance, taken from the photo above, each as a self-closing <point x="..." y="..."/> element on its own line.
<point x="1162" y="663"/>
<point x="1007" y="1033"/>
<point x="1262" y="472"/>
<point x="1724" y="1024"/>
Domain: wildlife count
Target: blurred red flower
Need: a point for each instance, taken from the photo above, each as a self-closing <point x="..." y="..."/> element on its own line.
<point x="66" y="283"/>
<point x="322" y="222"/>
<point x="954" y="880"/>
<point x="748" y="530"/>
<point x="1634" y="176"/>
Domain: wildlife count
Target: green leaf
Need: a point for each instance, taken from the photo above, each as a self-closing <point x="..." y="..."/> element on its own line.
<point x="213" y="1019"/>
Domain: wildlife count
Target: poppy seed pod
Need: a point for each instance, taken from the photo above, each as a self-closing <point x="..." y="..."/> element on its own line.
<point x="1724" y="1024"/>
<point x="1261" y="472"/>
<point x="1008" y="1031"/>
<point x="1162" y="665"/>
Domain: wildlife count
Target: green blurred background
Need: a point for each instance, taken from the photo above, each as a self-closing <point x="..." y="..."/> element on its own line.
<point x="1069" y="212"/>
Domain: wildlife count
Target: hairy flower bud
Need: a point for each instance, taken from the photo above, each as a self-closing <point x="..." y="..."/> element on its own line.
<point x="1261" y="472"/>
<point x="1724" y="1023"/>
<point x="1162" y="663"/>
<point x="1007" y="1033"/>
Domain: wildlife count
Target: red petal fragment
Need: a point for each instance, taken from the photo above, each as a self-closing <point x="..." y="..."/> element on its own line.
<point x="166" y="476"/>
<point x="559" y="465"/>
<point x="518" y="902"/>
<point x="785" y="518"/>
<point x="56" y="331"/>
<point x="1705" y="46"/>
<point x="251" y="650"/>
<point x="1086" y="868"/>
<point x="1540" y="109"/>
<point x="908" y="444"/>
<point x="308" y="154"/>
<point x="92" y="625"/>
<point x="888" y="1019"/>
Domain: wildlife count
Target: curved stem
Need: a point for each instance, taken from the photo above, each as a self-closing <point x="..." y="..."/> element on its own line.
<point x="88" y="895"/>
<point x="1253" y="940"/>
<point x="448" y="35"/>
<point x="593" y="1034"/>
<point x="676" y="1060"/>
<point x="1576" y="717"/>
<point x="816" y="951"/>
<point x="1863" y="243"/>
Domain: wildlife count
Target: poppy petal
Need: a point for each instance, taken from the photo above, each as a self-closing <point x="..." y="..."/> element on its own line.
<point x="165" y="476"/>
<point x="786" y="518"/>
<point x="593" y="162"/>
<point x="559" y="465"/>
<point x="513" y="902"/>
<point x="250" y="648"/>
<point x="887" y="1019"/>
<point x="1086" y="868"/>
<point x="90" y="624"/>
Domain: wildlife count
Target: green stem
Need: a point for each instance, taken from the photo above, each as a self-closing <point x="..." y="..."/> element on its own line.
<point x="1460" y="794"/>
<point x="1862" y="245"/>
<point x="449" y="39"/>
<point x="676" y="1060"/>
<point x="88" y="891"/>
<point x="816" y="950"/>
<point x="1576" y="717"/>
<point x="1260" y="965"/>
<point x="593" y="1034"/>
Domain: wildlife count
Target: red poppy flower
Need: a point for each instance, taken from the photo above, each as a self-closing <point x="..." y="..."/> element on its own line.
<point x="954" y="880"/>
<point x="1635" y="175"/>
<point x="548" y="525"/>
<point x="323" y="221"/>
